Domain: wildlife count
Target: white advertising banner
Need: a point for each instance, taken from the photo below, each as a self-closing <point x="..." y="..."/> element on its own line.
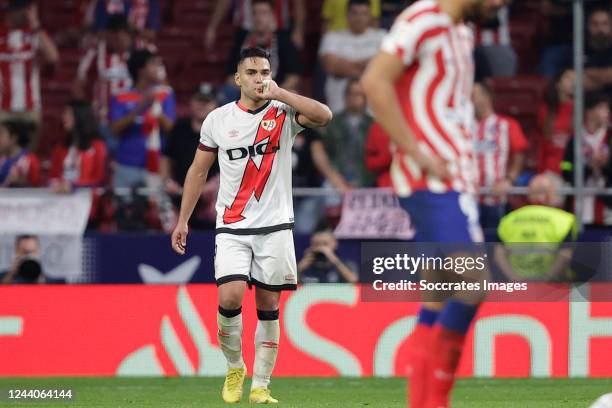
<point x="59" y="220"/>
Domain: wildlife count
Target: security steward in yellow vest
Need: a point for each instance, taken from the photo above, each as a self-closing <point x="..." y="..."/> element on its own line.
<point x="536" y="238"/>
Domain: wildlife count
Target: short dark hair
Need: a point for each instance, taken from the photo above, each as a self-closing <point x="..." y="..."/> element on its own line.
<point x="117" y="22"/>
<point x="352" y="3"/>
<point x="253" y="52"/>
<point x="268" y="2"/>
<point x="15" y="5"/>
<point x="22" y="237"/>
<point x="137" y="61"/>
<point x="592" y="99"/>
<point x="18" y="129"/>
<point x="323" y="226"/>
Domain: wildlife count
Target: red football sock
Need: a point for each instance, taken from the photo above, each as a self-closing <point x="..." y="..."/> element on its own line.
<point x="420" y="341"/>
<point x="446" y="349"/>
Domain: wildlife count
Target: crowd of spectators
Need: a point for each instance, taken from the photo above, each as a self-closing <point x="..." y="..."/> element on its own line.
<point x="124" y="125"/>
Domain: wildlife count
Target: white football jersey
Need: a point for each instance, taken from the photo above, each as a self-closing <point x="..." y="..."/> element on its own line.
<point x="254" y="153"/>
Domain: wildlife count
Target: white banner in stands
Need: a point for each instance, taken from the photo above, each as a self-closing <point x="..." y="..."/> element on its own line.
<point x="373" y="213"/>
<point x="34" y="211"/>
<point x="59" y="220"/>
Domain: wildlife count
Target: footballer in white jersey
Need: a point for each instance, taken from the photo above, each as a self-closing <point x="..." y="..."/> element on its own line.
<point x="254" y="152"/>
<point x="252" y="139"/>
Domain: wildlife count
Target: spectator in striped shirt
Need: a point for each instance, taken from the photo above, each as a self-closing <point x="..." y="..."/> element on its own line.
<point x="500" y="147"/>
<point x="103" y="71"/>
<point x="23" y="44"/>
<point x="595" y="156"/>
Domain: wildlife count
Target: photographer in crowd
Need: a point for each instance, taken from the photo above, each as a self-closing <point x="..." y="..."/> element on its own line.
<point x="320" y="263"/>
<point x="26" y="267"/>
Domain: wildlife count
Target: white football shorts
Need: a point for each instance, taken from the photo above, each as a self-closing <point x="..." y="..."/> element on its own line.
<point x="266" y="261"/>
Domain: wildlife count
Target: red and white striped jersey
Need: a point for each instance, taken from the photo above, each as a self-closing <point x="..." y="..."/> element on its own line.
<point x="594" y="210"/>
<point x="110" y="73"/>
<point x="496" y="36"/>
<point x="497" y="138"/>
<point x="434" y="93"/>
<point x="243" y="14"/>
<point x="596" y="141"/>
<point x="254" y="150"/>
<point x="19" y="74"/>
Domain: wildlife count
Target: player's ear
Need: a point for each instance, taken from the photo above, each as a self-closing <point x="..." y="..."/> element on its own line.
<point x="237" y="79"/>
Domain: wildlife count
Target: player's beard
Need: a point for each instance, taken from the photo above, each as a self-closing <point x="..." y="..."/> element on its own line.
<point x="252" y="94"/>
<point x="477" y="12"/>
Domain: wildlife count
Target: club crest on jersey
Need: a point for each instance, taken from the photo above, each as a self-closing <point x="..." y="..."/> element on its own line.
<point x="268" y="125"/>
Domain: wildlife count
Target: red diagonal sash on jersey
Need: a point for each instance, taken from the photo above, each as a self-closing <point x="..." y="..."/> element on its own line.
<point x="254" y="179"/>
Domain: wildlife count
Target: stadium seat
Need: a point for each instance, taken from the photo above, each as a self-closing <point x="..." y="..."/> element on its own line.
<point x="192" y="11"/>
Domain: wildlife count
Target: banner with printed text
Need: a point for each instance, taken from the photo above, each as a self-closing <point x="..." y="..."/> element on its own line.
<point x="373" y="213"/>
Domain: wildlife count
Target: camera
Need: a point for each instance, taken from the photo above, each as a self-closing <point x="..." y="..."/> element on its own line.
<point x="320" y="261"/>
<point x="29" y="270"/>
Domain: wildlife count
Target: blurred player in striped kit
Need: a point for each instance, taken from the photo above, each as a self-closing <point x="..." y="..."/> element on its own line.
<point x="419" y="88"/>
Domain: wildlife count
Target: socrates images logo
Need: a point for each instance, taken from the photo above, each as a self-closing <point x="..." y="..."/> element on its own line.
<point x="144" y="361"/>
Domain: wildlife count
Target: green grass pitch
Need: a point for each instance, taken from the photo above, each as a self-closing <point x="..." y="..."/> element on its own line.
<point x="308" y="392"/>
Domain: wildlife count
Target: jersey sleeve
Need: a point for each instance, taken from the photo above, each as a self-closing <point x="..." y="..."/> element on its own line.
<point x="207" y="141"/>
<point x="518" y="141"/>
<point x="408" y="33"/>
<point x="117" y="109"/>
<point x="293" y="115"/>
<point x="169" y="105"/>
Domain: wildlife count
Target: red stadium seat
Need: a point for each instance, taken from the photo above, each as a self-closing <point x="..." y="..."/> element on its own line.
<point x="518" y="95"/>
<point x="197" y="12"/>
<point x="520" y="98"/>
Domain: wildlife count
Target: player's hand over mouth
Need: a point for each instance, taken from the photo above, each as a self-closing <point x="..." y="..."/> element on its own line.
<point x="270" y="90"/>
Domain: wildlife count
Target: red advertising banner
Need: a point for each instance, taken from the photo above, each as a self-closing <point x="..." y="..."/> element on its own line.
<point x="326" y="331"/>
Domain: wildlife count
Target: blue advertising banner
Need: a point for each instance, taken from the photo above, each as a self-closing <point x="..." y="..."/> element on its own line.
<point x="148" y="257"/>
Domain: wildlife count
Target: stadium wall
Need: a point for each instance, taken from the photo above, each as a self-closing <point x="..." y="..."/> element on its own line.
<point x="327" y="330"/>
